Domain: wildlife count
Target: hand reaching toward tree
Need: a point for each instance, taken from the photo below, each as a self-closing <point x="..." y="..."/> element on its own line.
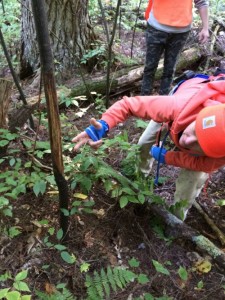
<point x="92" y="135"/>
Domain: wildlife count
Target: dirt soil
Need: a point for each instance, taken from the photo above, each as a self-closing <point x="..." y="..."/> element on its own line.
<point x="112" y="236"/>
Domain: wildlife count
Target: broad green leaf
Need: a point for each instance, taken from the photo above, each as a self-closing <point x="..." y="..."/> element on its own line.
<point x="51" y="230"/>
<point x="73" y="211"/>
<point x="141" y="198"/>
<point x="14" y="231"/>
<point x="21" y="275"/>
<point x="12" y="162"/>
<point x="183" y="273"/>
<point x="21" y="286"/>
<point x="14" y="295"/>
<point x="26" y="297"/>
<point x="65" y="212"/>
<point x="39" y="187"/>
<point x="60" y="247"/>
<point x="200" y="284"/>
<point x="149" y="297"/>
<point x="3" y="143"/>
<point x="159" y="268"/>
<point x="76" y="203"/>
<point x="59" y="234"/>
<point x="84" y="267"/>
<point x="128" y="191"/>
<point x="132" y="199"/>
<point x="142" y="279"/>
<point x="70" y="259"/>
<point x="133" y="262"/>
<point x="3" y="201"/>
<point x="123" y="201"/>
<point x="3" y="292"/>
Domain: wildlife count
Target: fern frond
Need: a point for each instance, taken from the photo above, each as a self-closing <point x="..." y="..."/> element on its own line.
<point x="91" y="290"/>
<point x="98" y="285"/>
<point x="116" y="277"/>
<point x="129" y="276"/>
<point x="111" y="279"/>
<point x="67" y="295"/>
<point x="121" y="276"/>
<point x="105" y="282"/>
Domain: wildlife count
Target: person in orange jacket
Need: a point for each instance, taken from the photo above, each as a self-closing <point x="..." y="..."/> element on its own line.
<point x="168" y="27"/>
<point x="195" y="117"/>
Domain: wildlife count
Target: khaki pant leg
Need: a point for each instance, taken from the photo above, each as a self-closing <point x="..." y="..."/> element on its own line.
<point x="147" y="139"/>
<point x="188" y="187"/>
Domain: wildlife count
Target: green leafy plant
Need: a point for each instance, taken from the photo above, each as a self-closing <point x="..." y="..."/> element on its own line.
<point x="18" y="288"/>
<point x="160" y="268"/>
<point x="183" y="273"/>
<point x="100" y="285"/>
<point x="60" y="293"/>
<point x="65" y="255"/>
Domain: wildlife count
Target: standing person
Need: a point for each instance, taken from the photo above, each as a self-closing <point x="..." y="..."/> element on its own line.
<point x="195" y="116"/>
<point x="168" y="26"/>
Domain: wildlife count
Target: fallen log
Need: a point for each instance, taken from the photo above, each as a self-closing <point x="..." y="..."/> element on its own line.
<point x="182" y="230"/>
<point x="122" y="81"/>
<point x="127" y="81"/>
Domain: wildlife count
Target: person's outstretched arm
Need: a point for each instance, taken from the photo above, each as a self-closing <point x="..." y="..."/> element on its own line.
<point x="159" y="108"/>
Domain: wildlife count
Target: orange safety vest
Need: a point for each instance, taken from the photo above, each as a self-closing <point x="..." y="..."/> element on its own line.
<point x="176" y="13"/>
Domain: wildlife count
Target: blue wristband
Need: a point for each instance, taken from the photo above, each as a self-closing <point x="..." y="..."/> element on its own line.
<point x="97" y="134"/>
<point x="158" y="153"/>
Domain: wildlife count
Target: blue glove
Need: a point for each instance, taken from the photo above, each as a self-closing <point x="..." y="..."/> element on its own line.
<point x="96" y="134"/>
<point x="158" y="153"/>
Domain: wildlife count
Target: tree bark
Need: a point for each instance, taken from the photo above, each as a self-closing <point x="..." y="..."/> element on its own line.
<point x="5" y="92"/>
<point x="70" y="35"/>
<point x="46" y="57"/>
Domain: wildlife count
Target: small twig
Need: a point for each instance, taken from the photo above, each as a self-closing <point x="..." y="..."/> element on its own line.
<point x="218" y="232"/>
<point x="39" y="164"/>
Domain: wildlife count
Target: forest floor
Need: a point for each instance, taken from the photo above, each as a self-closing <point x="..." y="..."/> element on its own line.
<point x="112" y="236"/>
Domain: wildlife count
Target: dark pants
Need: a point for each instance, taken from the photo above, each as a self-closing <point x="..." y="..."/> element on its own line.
<point x="158" y="42"/>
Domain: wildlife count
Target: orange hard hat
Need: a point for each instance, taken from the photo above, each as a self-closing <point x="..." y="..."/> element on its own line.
<point x="210" y="130"/>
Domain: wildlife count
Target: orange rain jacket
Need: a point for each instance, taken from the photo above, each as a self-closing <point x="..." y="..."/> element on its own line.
<point x="171" y="13"/>
<point x="178" y="111"/>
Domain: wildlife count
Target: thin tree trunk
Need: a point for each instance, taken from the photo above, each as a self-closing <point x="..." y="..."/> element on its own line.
<point x="5" y="93"/>
<point x="41" y="23"/>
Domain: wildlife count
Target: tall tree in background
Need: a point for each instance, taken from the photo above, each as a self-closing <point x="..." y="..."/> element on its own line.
<point x="70" y="33"/>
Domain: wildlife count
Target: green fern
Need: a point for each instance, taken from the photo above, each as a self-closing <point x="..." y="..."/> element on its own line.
<point x="64" y="295"/>
<point x="99" y="286"/>
<point x="91" y="289"/>
<point x="111" y="279"/>
<point x="105" y="282"/>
